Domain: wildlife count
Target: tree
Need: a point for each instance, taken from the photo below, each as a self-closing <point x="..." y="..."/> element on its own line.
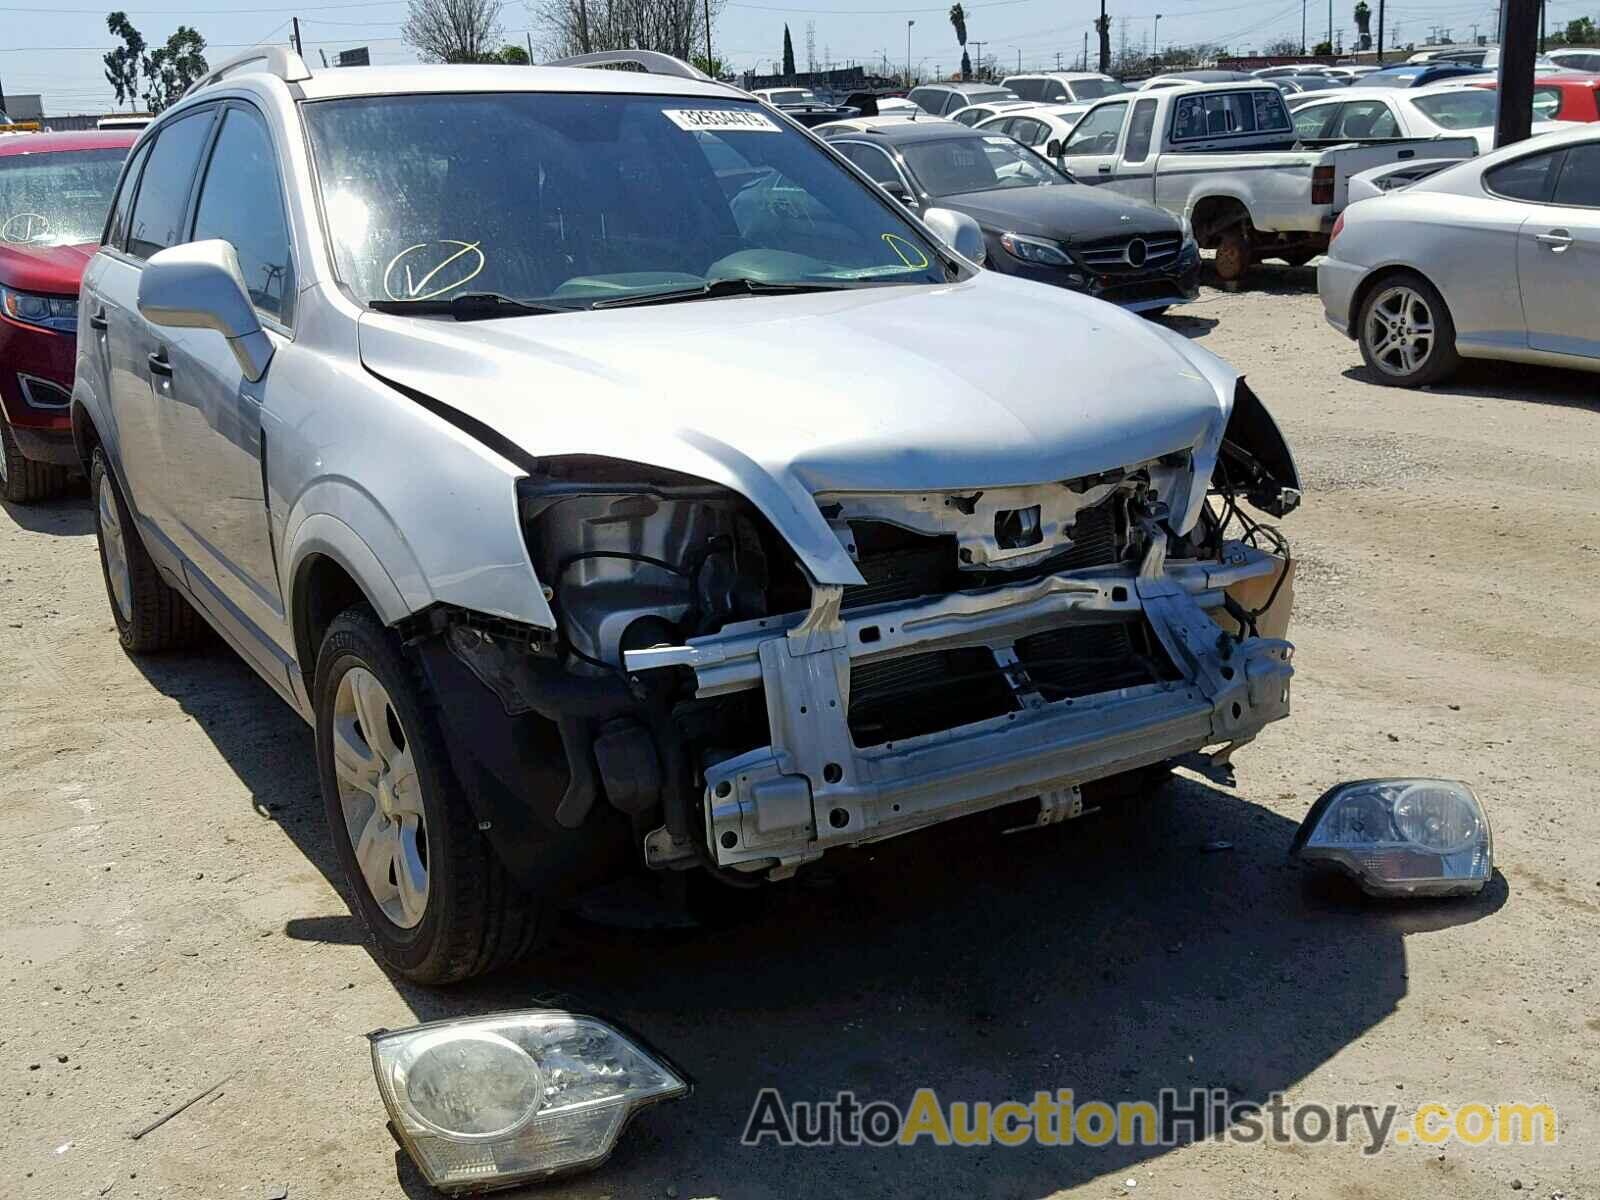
<point x="453" y="31"/>
<point x="170" y="69"/>
<point x="511" y="55"/>
<point x="1582" y="32"/>
<point x="1283" y="48"/>
<point x="1102" y="27"/>
<point x="122" y="64"/>
<point x="1323" y="48"/>
<point x="675" y="27"/>
<point x="958" y="19"/>
<point x="788" y="52"/>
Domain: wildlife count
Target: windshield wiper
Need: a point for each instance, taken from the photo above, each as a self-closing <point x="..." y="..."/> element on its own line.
<point x="469" y="306"/>
<point x="716" y="288"/>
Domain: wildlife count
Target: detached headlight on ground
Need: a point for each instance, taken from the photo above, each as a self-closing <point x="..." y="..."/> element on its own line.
<point x="487" y="1102"/>
<point x="1401" y="837"/>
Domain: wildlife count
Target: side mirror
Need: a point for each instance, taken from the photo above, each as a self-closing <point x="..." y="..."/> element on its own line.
<point x="900" y="192"/>
<point x="958" y="231"/>
<point x="200" y="286"/>
<point x="1053" y="148"/>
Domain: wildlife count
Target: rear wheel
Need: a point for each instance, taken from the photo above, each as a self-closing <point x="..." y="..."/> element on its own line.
<point x="437" y="903"/>
<point x="1406" y="334"/>
<point x="149" y="614"/>
<point x="23" y="481"/>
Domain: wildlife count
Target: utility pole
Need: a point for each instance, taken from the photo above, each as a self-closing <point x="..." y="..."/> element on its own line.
<point x="297" y="48"/>
<point x="909" y="24"/>
<point x="1514" y="117"/>
<point x="1541" y="26"/>
<point x="583" y="25"/>
<point x="1155" y="36"/>
<point x="1380" y="33"/>
<point x="1084" y="65"/>
<point x="1302" y="26"/>
<point x="1019" y="60"/>
<point x="1058" y="60"/>
<point x="1330" y="27"/>
<point x="1103" y="29"/>
<point x="979" y="45"/>
<point x="711" y="69"/>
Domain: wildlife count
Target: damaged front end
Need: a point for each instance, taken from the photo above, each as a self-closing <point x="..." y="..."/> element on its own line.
<point x="1003" y="644"/>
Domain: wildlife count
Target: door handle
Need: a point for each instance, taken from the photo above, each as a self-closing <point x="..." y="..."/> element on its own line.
<point x="1105" y="169"/>
<point x="1557" y="239"/>
<point x="159" y="365"/>
<point x="98" y="320"/>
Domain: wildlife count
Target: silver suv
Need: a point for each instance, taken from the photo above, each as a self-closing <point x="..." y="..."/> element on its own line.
<point x="612" y="477"/>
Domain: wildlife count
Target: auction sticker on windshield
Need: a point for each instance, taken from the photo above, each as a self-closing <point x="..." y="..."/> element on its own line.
<point x="723" y="120"/>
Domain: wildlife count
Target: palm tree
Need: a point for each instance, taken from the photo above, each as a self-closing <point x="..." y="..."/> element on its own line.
<point x="958" y="18"/>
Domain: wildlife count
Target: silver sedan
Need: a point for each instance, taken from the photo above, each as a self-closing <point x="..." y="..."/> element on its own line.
<point x="1495" y="258"/>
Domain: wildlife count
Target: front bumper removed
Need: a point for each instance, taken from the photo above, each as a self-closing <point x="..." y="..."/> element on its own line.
<point x="814" y="788"/>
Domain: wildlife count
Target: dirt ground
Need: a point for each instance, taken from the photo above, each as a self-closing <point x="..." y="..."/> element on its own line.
<point x="172" y="916"/>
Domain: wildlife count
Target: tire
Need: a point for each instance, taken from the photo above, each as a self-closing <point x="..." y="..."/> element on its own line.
<point x="149" y="614"/>
<point x="1233" y="254"/>
<point x="23" y="481"/>
<point x="1406" y="334"/>
<point x="442" y="908"/>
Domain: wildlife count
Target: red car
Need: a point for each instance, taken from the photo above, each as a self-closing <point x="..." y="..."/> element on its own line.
<point x="55" y="190"/>
<point x="1574" y="97"/>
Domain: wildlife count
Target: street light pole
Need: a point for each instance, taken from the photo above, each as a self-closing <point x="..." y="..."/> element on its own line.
<point x="1155" y="37"/>
<point x="909" y="24"/>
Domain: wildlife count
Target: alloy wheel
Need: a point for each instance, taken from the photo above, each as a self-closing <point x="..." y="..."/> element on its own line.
<point x="1400" y="331"/>
<point x="380" y="794"/>
<point x="116" y="551"/>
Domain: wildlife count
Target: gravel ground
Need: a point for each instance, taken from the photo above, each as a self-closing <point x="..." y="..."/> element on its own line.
<point x="171" y="917"/>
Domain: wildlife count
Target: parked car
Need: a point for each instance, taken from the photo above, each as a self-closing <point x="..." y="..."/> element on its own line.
<point x="1576" y="58"/>
<point x="1224" y="156"/>
<point x="519" y="524"/>
<point x="55" y="190"/>
<point x="1411" y="75"/>
<point x="1574" y="97"/>
<point x="945" y="99"/>
<point x="973" y="113"/>
<point x="1308" y="84"/>
<point x="1036" y="222"/>
<point x="857" y="124"/>
<point x="1179" y="78"/>
<point x="124" y="121"/>
<point x="1493" y="258"/>
<point x="1350" y="74"/>
<point x="1063" y="87"/>
<point x="1037" y="126"/>
<point x="1368" y="114"/>
<point x="804" y="106"/>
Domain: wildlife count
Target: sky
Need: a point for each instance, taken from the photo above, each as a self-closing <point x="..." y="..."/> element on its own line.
<point x="57" y="50"/>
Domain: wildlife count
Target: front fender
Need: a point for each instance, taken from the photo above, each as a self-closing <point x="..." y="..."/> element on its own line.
<point x="320" y="534"/>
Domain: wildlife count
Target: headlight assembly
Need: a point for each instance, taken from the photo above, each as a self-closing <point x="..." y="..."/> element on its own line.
<point x="487" y="1102"/>
<point x="1034" y="250"/>
<point x="59" y="313"/>
<point x="1401" y="837"/>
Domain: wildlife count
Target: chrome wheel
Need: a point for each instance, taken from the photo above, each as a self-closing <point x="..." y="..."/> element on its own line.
<point x="381" y="797"/>
<point x="1399" y="331"/>
<point x="115" y="548"/>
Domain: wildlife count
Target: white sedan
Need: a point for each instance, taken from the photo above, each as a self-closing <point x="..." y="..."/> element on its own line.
<point x="1437" y="110"/>
<point x="1038" y="125"/>
<point x="1496" y="257"/>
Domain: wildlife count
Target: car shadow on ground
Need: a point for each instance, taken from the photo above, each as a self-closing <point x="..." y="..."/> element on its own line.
<point x="1274" y="278"/>
<point x="1191" y="327"/>
<point x="1511" y="382"/>
<point x="1170" y="944"/>
<point x="67" y="516"/>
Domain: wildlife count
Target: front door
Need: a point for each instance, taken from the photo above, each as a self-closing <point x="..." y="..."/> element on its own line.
<point x="211" y="422"/>
<point x="1558" y="259"/>
<point x="1091" y="152"/>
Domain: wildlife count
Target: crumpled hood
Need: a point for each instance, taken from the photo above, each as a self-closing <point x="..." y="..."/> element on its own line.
<point x="984" y="383"/>
<point x="53" y="270"/>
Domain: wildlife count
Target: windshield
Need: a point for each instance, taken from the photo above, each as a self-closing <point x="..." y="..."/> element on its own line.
<point x="793" y="96"/>
<point x="990" y="97"/>
<point x="58" y="198"/>
<point x="1470" y="108"/>
<point x="1093" y="89"/>
<point x="985" y="163"/>
<point x="570" y="199"/>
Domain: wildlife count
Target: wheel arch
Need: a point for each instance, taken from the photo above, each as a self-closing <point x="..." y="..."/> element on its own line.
<point x="330" y="568"/>
<point x="1374" y="278"/>
<point x="1216" y="213"/>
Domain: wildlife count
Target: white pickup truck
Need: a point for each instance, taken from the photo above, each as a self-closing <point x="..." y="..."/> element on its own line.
<point x="1225" y="156"/>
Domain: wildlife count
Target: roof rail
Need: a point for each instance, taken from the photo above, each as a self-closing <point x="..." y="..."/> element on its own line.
<point x="274" y="60"/>
<point x="652" y="61"/>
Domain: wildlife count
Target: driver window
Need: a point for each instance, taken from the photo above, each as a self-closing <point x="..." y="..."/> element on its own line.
<point x="163" y="200"/>
<point x="1097" y="132"/>
<point x="242" y="203"/>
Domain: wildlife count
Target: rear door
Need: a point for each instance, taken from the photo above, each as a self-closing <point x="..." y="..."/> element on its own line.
<point x="1135" y="174"/>
<point x="211" y="414"/>
<point x="1558" y="258"/>
<point x="138" y="377"/>
<point x="1091" y="152"/>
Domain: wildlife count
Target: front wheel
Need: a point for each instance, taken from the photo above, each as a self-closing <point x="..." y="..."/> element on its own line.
<point x="437" y="903"/>
<point x="1406" y="334"/>
<point x="1234" y="252"/>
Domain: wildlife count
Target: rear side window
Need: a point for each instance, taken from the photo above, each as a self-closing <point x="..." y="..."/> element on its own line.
<point x="872" y="160"/>
<point x="1579" y="183"/>
<point x="1027" y="89"/>
<point x="1311" y="121"/>
<point x="1546" y="103"/>
<point x="1056" y="90"/>
<point x="1365" y="119"/>
<point x="927" y="99"/>
<point x="1139" y="130"/>
<point x="1221" y="114"/>
<point x="1528" y="178"/>
<point x="242" y="203"/>
<point x="117" y="225"/>
<point x="163" y="199"/>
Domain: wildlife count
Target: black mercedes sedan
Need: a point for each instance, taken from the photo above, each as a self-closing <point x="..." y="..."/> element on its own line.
<point x="1037" y="221"/>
